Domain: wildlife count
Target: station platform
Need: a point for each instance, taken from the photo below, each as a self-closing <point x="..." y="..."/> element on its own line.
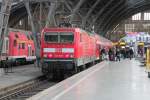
<point x="18" y="75"/>
<point x="124" y="80"/>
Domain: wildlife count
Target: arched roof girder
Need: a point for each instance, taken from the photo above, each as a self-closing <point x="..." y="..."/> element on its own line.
<point x="18" y="12"/>
<point x="139" y="7"/>
<point x="109" y="20"/>
<point x="112" y="11"/>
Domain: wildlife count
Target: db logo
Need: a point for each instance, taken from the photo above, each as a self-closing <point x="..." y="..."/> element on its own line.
<point x="58" y="50"/>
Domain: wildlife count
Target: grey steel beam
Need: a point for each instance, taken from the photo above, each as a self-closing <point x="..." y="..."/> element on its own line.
<point x="108" y="21"/>
<point x="100" y="12"/>
<point x="123" y="13"/>
<point x="71" y="10"/>
<point x="27" y="6"/>
<point x="75" y="10"/>
<point x="40" y="22"/>
<point x="4" y="17"/>
<point x="105" y="15"/>
<point x="90" y="11"/>
<point x="130" y="13"/>
<point x="68" y="6"/>
<point x="51" y="13"/>
<point x="37" y="49"/>
<point x="40" y="0"/>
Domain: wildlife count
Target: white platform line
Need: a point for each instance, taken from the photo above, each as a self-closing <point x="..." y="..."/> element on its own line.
<point x="74" y="85"/>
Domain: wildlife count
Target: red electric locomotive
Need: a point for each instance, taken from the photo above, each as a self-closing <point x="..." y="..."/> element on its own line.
<point x="67" y="50"/>
<point x="18" y="47"/>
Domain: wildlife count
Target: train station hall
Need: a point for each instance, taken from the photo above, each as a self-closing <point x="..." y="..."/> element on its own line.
<point x="74" y="49"/>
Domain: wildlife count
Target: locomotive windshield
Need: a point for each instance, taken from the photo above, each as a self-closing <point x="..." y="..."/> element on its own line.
<point x="51" y="37"/>
<point x="62" y="37"/>
<point x="66" y="37"/>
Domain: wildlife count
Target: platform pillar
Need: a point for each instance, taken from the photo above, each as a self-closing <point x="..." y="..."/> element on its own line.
<point x="4" y="17"/>
<point x="148" y="62"/>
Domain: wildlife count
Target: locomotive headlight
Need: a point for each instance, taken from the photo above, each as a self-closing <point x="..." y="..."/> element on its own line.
<point x="50" y="56"/>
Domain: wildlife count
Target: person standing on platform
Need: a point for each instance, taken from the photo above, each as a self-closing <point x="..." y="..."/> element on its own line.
<point x="110" y="53"/>
<point x="103" y="52"/>
<point x="117" y="55"/>
<point x="131" y="54"/>
<point x="124" y="53"/>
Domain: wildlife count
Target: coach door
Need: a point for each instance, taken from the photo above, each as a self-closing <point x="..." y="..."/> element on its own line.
<point x="29" y="50"/>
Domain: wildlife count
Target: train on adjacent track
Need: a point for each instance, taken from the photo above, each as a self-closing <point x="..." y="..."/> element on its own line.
<point x="18" y="47"/>
<point x="68" y="50"/>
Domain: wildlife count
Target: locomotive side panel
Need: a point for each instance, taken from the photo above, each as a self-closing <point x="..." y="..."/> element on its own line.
<point x="86" y="48"/>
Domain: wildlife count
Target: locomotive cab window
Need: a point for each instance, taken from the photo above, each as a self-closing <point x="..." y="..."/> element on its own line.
<point x="62" y="37"/>
<point x="51" y="37"/>
<point x="66" y="37"/>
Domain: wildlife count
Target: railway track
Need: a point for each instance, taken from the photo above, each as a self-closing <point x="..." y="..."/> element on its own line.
<point x="25" y="90"/>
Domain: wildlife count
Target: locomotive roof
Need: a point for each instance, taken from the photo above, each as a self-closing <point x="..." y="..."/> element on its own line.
<point x="67" y="29"/>
<point x="60" y="29"/>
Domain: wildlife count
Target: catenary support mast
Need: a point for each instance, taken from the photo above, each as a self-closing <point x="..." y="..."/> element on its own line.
<point x="4" y="17"/>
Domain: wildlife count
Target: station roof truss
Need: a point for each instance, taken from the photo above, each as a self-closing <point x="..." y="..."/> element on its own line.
<point x="103" y="15"/>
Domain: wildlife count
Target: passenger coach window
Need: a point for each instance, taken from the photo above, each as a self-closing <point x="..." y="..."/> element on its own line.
<point x="23" y="45"/>
<point x="66" y="37"/>
<point x="19" y="46"/>
<point x="28" y="37"/>
<point x="80" y="37"/>
<point x="31" y="37"/>
<point x="15" y="43"/>
<point x="51" y="37"/>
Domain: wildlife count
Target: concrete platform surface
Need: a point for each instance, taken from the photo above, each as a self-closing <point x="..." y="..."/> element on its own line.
<point x="19" y="74"/>
<point x="124" y="80"/>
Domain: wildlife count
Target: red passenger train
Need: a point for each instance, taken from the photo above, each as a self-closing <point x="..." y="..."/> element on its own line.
<point x="18" y="47"/>
<point x="69" y="49"/>
<point x="102" y="43"/>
